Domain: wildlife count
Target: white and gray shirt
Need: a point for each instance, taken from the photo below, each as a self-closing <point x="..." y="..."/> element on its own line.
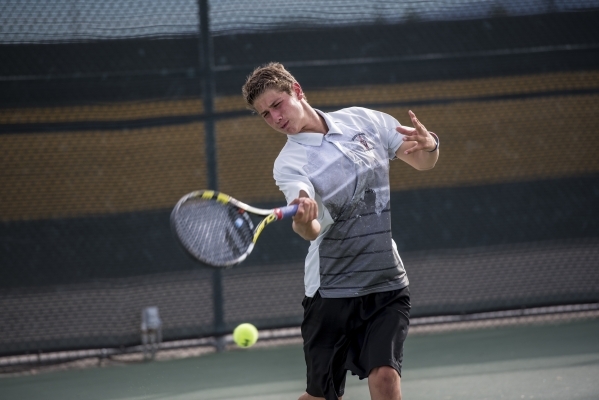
<point x="347" y="172"/>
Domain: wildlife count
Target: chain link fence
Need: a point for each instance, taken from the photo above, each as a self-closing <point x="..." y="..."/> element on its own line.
<point x="106" y="120"/>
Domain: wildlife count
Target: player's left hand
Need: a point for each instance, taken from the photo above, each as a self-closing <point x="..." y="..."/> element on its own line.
<point x="418" y="135"/>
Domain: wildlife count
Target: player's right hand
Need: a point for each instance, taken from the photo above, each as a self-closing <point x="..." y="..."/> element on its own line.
<point x="305" y="221"/>
<point x="307" y="210"/>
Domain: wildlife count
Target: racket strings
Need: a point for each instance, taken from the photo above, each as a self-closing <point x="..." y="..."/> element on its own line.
<point x="213" y="232"/>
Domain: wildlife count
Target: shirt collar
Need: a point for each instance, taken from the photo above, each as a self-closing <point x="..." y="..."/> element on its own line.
<point x="315" y="139"/>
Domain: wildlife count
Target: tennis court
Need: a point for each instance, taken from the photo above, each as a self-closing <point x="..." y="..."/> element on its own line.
<point x="551" y="360"/>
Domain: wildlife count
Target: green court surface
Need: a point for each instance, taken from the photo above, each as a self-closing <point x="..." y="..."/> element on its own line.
<point x="549" y="361"/>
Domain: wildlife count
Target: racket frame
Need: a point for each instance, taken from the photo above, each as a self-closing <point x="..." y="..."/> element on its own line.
<point x="270" y="215"/>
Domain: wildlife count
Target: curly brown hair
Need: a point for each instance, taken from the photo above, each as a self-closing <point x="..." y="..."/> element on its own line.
<point x="269" y="76"/>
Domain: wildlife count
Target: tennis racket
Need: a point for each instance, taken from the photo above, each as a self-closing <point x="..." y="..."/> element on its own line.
<point x="217" y="230"/>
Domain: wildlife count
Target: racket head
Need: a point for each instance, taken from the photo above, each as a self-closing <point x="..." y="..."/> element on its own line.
<point x="212" y="229"/>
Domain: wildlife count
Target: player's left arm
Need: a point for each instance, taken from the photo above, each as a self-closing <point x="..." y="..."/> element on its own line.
<point x="420" y="148"/>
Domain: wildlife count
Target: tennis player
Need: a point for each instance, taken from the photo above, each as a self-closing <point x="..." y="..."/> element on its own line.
<point x="335" y="166"/>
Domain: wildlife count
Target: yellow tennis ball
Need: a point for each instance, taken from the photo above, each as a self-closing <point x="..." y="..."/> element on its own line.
<point x="245" y="335"/>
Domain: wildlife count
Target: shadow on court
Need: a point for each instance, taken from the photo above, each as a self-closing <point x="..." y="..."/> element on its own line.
<point x="549" y="361"/>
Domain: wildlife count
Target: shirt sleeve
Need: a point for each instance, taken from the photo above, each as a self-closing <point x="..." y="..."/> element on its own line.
<point x="390" y="138"/>
<point x="290" y="178"/>
<point x="389" y="135"/>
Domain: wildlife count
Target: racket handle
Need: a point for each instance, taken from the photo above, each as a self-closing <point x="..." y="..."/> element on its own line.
<point x="285" y="212"/>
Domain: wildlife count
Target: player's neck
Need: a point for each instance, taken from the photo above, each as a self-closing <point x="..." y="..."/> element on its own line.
<point x="315" y="121"/>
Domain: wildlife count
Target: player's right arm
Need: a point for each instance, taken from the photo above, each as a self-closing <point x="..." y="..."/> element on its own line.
<point x="293" y="181"/>
<point x="305" y="221"/>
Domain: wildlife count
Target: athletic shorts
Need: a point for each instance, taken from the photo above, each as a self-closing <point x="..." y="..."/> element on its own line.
<point x="355" y="334"/>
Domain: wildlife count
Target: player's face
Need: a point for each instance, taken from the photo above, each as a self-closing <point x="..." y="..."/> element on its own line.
<point x="282" y="111"/>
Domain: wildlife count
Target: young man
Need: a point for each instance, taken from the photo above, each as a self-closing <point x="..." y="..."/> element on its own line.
<point x="335" y="166"/>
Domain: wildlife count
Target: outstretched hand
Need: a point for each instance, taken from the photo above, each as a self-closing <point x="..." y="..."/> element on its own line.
<point x="419" y="135"/>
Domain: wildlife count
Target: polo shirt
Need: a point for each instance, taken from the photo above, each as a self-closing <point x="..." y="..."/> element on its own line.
<point x="346" y="171"/>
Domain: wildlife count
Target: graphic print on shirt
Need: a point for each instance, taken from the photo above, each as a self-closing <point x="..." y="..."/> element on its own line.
<point x="369" y="160"/>
<point x="356" y="255"/>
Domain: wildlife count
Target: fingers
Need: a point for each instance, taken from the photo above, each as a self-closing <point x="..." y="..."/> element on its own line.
<point x="307" y="210"/>
<point x="405" y="130"/>
<point x="416" y="123"/>
<point x="415" y="133"/>
<point x="413" y="149"/>
<point x="305" y="221"/>
<point x="409" y="134"/>
<point x="418" y="134"/>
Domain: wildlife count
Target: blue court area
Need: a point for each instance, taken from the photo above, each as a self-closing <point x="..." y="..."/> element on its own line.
<point x="542" y="361"/>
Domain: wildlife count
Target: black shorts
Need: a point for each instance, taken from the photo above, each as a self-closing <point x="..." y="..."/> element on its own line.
<point x="355" y="334"/>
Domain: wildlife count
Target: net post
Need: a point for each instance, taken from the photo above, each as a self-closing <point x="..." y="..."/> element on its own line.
<point x="208" y="90"/>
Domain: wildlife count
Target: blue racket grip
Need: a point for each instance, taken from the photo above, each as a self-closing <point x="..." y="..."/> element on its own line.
<point x="285" y="212"/>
